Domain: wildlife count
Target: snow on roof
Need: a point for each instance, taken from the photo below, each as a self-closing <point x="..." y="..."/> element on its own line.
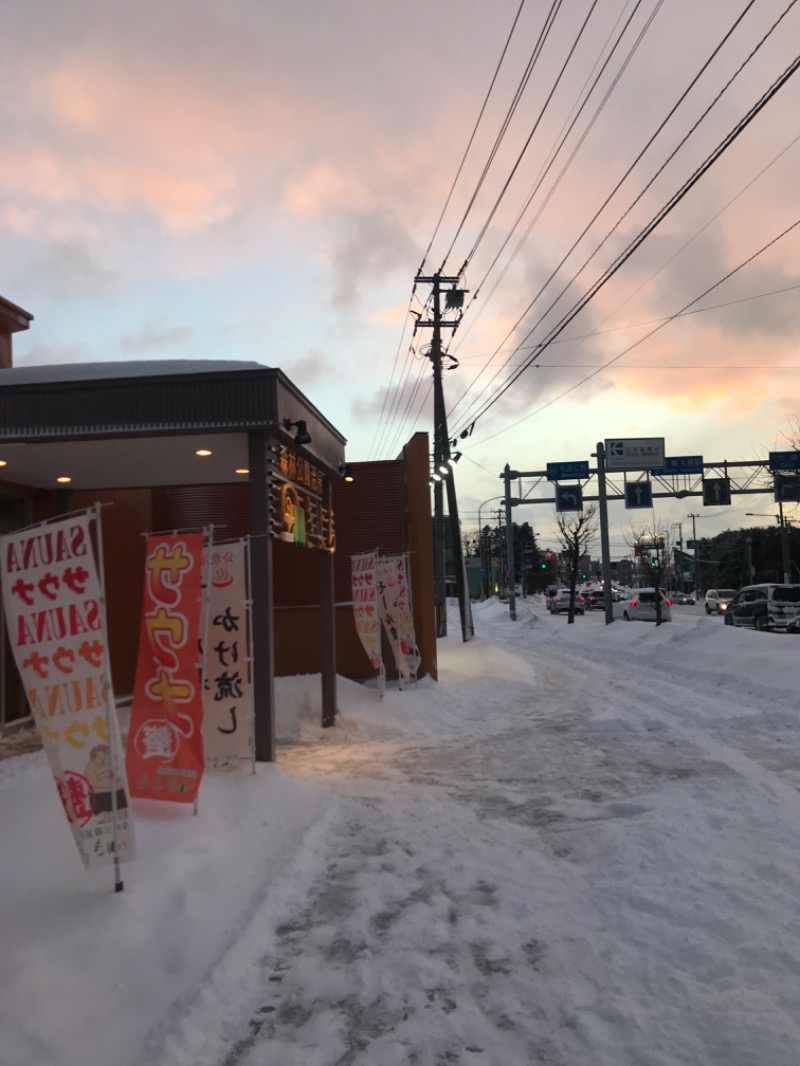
<point x="133" y="368"/>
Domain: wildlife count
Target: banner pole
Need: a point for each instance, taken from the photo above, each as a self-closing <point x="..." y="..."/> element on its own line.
<point x="208" y="532"/>
<point x="249" y="610"/>
<point x="119" y="884"/>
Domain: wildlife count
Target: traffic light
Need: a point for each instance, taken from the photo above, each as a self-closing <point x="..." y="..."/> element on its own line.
<point x="544" y="566"/>
<point x="653" y="562"/>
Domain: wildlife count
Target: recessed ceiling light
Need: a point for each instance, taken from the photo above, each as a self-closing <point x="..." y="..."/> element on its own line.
<point x="202" y="451"/>
<point x="64" y="480"/>
<point x="242" y="470"/>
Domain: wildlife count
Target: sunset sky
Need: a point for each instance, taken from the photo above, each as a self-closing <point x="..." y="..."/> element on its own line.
<point x="263" y="180"/>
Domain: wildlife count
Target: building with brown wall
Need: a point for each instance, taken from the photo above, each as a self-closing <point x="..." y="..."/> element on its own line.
<point x="128" y="436"/>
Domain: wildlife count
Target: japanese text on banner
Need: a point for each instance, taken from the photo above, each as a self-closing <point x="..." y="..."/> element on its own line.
<point x="227" y="691"/>
<point x="364" y="580"/>
<point x="397" y="615"/>
<point x="165" y="742"/>
<point x="55" y="622"/>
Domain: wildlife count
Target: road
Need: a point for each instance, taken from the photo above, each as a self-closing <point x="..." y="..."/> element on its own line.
<point x="574" y="864"/>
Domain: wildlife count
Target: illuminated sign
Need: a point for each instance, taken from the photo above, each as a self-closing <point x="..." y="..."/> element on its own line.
<point x="299" y="514"/>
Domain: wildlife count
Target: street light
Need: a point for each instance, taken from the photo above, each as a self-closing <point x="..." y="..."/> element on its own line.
<point x="784" y="536"/>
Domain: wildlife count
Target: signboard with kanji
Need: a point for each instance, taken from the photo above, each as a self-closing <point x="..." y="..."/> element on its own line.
<point x="560" y="471"/>
<point x="635" y="453"/>
<point x="784" y="460"/>
<point x="680" y="464"/>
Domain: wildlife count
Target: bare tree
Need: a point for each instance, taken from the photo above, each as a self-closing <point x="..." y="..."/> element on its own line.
<point x="651" y="547"/>
<point x="576" y="532"/>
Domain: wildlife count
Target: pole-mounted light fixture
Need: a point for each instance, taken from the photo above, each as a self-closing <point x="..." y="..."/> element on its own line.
<point x="347" y="472"/>
<point x="302" y="436"/>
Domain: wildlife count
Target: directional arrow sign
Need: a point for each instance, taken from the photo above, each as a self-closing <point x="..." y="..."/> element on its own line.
<point x="787" y="489"/>
<point x="638" y="494"/>
<point x="569" y="498"/>
<point x="716" y="492"/>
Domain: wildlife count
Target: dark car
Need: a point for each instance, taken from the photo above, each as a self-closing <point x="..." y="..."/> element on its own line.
<point x="594" y="599"/>
<point x="766" y="606"/>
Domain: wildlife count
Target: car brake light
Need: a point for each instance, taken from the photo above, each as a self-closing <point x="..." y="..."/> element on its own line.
<point x="668" y="603"/>
<point x="634" y="602"/>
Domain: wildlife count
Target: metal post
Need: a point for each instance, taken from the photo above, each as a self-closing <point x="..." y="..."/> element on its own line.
<point x="261" y="609"/>
<point x="327" y="611"/>
<point x="694" y="541"/>
<point x="605" y="552"/>
<point x="784" y="545"/>
<point x="512" y="598"/>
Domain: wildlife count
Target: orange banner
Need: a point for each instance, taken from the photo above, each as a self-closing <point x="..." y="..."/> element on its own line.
<point x="165" y="742"/>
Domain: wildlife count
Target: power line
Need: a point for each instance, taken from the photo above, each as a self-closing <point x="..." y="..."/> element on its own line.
<point x="659" y="217"/>
<point x="610" y="362"/>
<point x="613" y="192"/>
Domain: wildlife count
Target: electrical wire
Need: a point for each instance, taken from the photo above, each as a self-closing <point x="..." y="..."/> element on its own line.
<point x="670" y="114"/>
<point x="647" y="336"/>
<point x="655" y="221"/>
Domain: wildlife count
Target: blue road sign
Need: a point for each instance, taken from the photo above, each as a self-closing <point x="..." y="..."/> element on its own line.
<point x="787" y="489"/>
<point x="784" y="460"/>
<point x="638" y="494"/>
<point x="716" y="492"/>
<point x="680" y="464"/>
<point x="560" y="471"/>
<point x="569" y="498"/>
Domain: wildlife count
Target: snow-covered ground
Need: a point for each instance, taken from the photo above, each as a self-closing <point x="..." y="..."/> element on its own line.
<point x="580" y="848"/>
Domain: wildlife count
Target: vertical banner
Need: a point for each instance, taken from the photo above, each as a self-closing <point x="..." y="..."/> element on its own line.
<point x="56" y="628"/>
<point x="227" y="691"/>
<point x="364" y="581"/>
<point x="397" y="615"/>
<point x="165" y="740"/>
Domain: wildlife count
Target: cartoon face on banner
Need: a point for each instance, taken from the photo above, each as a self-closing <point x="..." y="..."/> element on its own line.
<point x="396" y="613"/>
<point x="56" y="629"/>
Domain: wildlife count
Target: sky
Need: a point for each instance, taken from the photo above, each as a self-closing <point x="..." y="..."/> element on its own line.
<point x="578" y="848"/>
<point x="265" y="181"/>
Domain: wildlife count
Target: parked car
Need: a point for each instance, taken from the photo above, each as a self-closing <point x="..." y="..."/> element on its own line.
<point x="549" y="593"/>
<point x="717" y="600"/>
<point x="640" y="606"/>
<point x="766" y="607"/>
<point x="560" y="602"/>
<point x="594" y="599"/>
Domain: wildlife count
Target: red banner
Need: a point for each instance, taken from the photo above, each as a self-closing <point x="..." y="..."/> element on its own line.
<point x="165" y="742"/>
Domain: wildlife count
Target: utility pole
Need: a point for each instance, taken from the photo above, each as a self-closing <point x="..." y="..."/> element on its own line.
<point x="787" y="577"/>
<point x="441" y="462"/>
<point x="694" y="518"/>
